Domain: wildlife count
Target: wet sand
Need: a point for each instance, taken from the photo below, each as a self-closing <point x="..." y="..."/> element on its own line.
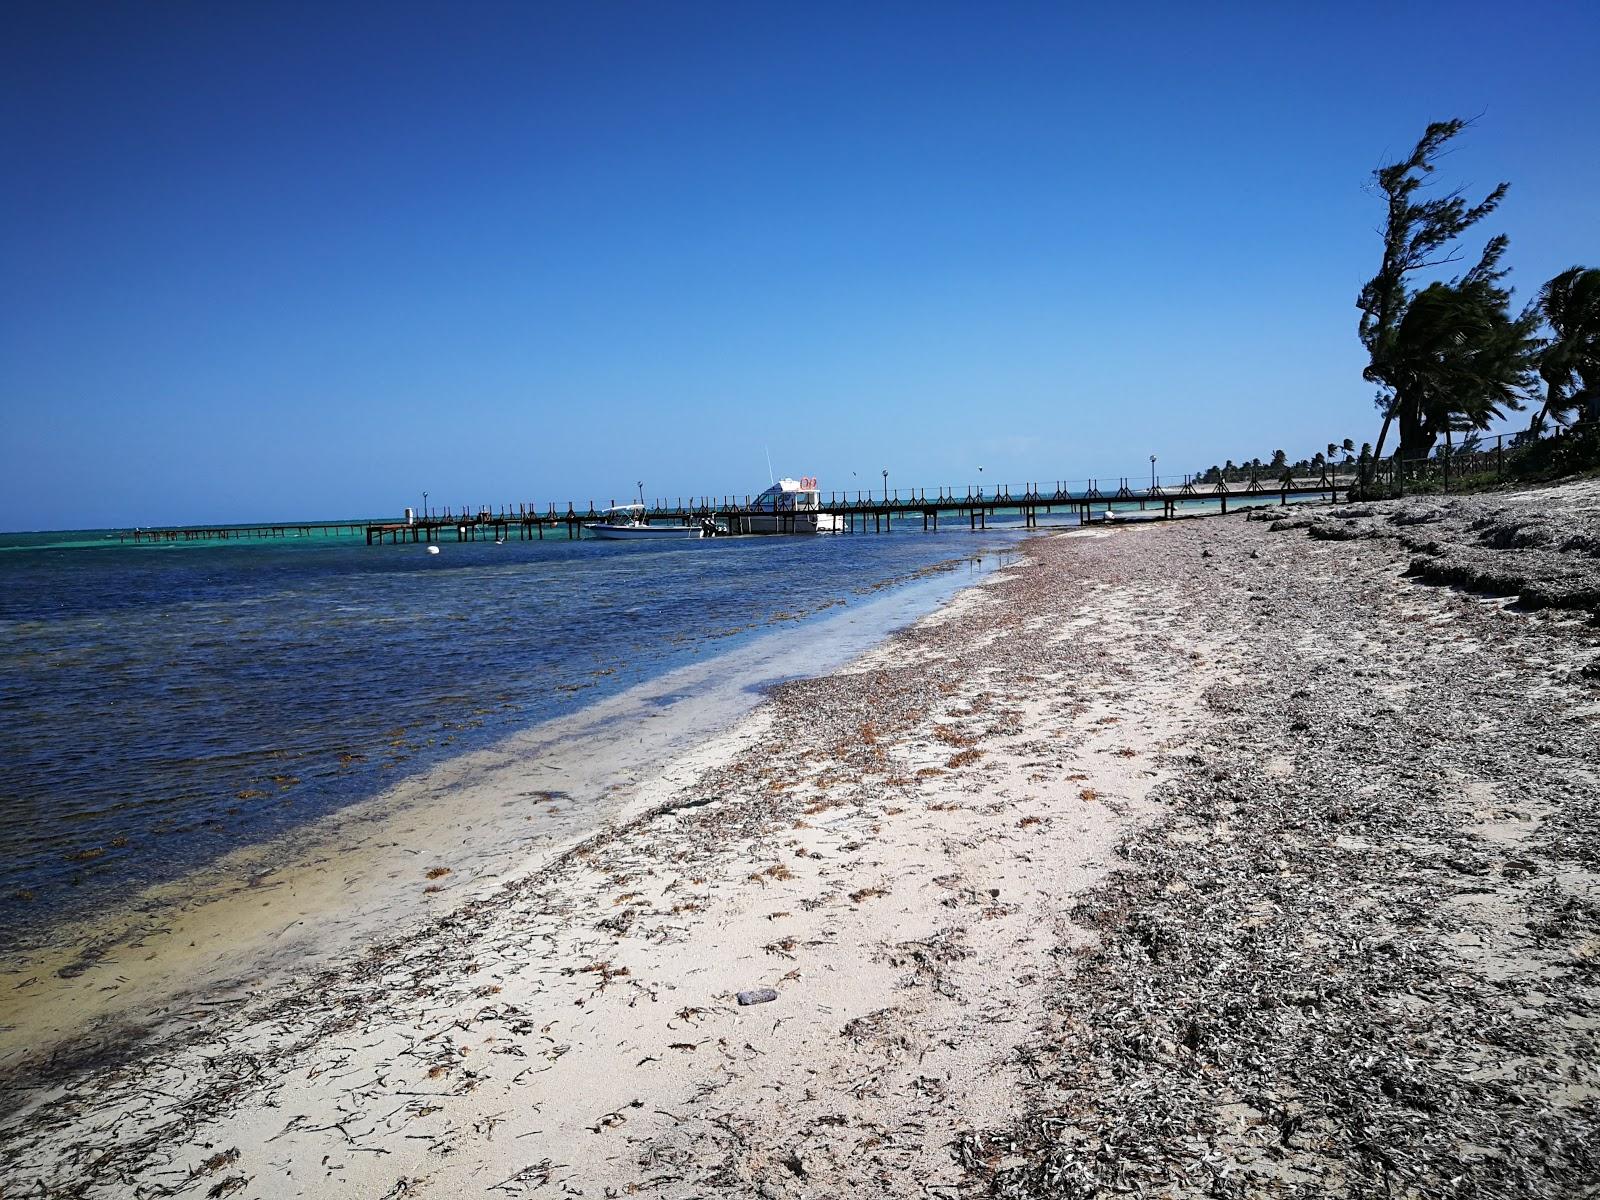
<point x="270" y="912"/>
<point x="1200" y="857"/>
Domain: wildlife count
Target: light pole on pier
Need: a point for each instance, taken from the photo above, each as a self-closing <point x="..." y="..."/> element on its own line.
<point x="424" y="506"/>
<point x="886" y="485"/>
<point x="1152" y="472"/>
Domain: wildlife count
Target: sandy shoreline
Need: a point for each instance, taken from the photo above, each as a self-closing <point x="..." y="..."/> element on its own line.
<point x="1202" y="856"/>
<point x="271" y="911"/>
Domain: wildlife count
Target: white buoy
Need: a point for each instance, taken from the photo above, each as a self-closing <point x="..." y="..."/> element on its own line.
<point x="433" y="549"/>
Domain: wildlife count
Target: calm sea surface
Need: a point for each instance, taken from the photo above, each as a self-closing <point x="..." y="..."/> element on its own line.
<point x="161" y="705"/>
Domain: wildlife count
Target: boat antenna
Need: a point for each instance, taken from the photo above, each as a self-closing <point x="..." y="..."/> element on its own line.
<point x="770" y="480"/>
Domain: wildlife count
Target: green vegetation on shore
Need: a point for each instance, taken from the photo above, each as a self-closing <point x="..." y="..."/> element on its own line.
<point x="1450" y="357"/>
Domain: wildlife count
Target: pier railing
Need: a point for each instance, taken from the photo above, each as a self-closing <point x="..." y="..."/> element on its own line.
<point x="976" y="503"/>
<point x="1447" y="467"/>
<point x="226" y="533"/>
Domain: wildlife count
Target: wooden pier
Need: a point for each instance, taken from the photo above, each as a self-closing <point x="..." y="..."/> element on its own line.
<point x="973" y="507"/>
<point x="860" y="511"/>
<point x="225" y="533"/>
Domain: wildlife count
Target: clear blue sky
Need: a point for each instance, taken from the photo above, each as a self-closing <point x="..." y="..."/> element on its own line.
<point x="305" y="260"/>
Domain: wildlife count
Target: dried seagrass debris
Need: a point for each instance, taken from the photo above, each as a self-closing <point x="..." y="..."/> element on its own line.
<point x="1369" y="970"/>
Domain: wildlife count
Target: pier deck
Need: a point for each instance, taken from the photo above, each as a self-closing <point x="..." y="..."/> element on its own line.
<point x="204" y="533"/>
<point x="974" y="508"/>
<point x="860" y="511"/>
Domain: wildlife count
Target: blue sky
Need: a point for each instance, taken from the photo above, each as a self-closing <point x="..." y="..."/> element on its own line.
<point x="299" y="260"/>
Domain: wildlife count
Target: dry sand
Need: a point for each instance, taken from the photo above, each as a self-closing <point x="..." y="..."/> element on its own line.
<point x="1203" y="858"/>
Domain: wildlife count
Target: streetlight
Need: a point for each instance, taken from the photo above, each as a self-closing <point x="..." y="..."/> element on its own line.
<point x="886" y="485"/>
<point x="424" y="506"/>
<point x="1152" y="472"/>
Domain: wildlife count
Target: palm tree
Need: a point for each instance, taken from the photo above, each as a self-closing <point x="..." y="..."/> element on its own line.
<point x="1419" y="235"/>
<point x="1569" y="362"/>
<point x="1459" y="358"/>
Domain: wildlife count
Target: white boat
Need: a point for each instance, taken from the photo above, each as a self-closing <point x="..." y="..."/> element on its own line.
<point x="628" y="521"/>
<point x="789" y="506"/>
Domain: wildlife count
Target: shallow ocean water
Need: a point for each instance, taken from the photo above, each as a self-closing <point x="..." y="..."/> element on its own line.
<point x="162" y="705"/>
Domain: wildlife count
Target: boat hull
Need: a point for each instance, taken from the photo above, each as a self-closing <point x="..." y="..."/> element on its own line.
<point x="644" y="533"/>
<point x="790" y="522"/>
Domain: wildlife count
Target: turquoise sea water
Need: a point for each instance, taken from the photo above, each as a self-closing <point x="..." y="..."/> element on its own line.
<point x="161" y="705"/>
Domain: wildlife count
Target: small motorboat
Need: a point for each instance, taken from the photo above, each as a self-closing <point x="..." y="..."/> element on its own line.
<point x="628" y="521"/>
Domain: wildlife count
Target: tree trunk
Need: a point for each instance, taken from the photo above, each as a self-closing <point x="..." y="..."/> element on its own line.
<point x="1554" y="404"/>
<point x="1416" y="439"/>
<point x="1377" y="450"/>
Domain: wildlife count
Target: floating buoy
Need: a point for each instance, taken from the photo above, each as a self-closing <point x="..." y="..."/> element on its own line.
<point x="433" y="549"/>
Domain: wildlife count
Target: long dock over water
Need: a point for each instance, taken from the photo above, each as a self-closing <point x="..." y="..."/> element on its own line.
<point x="205" y="533"/>
<point x="974" y="508"/>
<point x="860" y="511"/>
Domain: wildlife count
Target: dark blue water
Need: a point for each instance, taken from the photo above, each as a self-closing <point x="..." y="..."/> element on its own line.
<point x="161" y="705"/>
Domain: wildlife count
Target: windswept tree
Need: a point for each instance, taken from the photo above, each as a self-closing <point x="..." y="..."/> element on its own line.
<point x="1459" y="359"/>
<point x="1418" y="234"/>
<point x="1569" y="360"/>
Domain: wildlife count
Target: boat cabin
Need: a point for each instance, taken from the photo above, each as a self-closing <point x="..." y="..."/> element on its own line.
<point x="790" y="495"/>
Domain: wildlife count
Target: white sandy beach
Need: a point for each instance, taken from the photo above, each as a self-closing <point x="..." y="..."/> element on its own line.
<point x="1008" y="875"/>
